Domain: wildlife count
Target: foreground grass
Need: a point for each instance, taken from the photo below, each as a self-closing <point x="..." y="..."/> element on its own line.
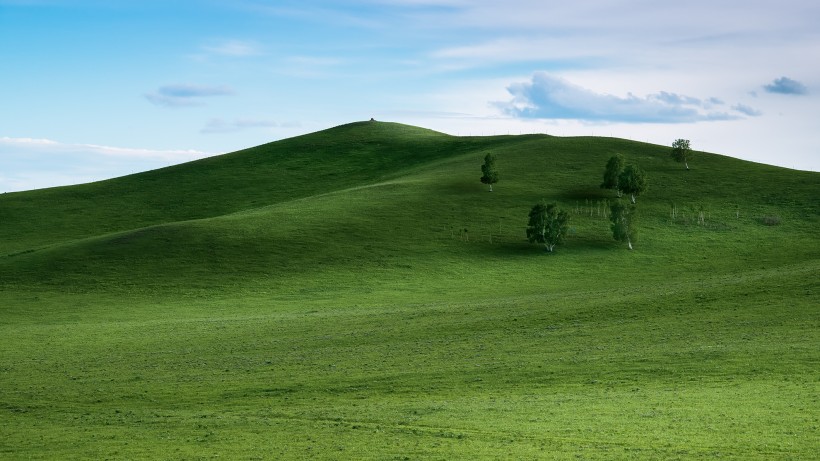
<point x="700" y="368"/>
<point x="392" y="310"/>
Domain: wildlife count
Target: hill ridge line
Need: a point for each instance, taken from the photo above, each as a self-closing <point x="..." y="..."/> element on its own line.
<point x="247" y="211"/>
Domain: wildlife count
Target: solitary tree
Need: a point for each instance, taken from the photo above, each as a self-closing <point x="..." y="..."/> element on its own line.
<point x="548" y="225"/>
<point x="490" y="173"/>
<point x="623" y="222"/>
<point x="614" y="167"/>
<point x="681" y="151"/>
<point x="632" y="181"/>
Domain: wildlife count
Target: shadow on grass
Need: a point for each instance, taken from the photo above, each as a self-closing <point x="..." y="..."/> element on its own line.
<point x="462" y="187"/>
<point x="525" y="249"/>
<point x="587" y="193"/>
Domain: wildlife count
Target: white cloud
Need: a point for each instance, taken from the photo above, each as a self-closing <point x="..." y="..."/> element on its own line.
<point x="550" y="97"/>
<point x="687" y="37"/>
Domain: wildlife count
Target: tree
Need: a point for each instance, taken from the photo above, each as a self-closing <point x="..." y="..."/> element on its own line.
<point x="623" y="219"/>
<point x="632" y="181"/>
<point x="681" y="151"/>
<point x="614" y="167"/>
<point x="548" y="225"/>
<point x="490" y="173"/>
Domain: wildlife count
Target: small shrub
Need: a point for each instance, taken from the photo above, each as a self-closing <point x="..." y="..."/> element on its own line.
<point x="770" y="220"/>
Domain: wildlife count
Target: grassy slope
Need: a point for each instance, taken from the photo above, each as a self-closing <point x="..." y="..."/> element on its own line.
<point x="319" y="297"/>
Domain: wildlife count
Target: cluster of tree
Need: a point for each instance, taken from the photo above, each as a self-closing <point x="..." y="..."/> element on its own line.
<point x="548" y="224"/>
<point x="624" y="179"/>
<point x="629" y="179"/>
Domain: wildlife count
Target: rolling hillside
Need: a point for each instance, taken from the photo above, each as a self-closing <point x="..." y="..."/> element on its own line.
<point x="357" y="293"/>
<point x="367" y="192"/>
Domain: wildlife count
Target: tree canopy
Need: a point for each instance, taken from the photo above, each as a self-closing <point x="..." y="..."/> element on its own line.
<point x="490" y="173"/>
<point x="623" y="219"/>
<point x="547" y="225"/>
<point x="614" y="167"/>
<point x="681" y="151"/>
<point x="632" y="181"/>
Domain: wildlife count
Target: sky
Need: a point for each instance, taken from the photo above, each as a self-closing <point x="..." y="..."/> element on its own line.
<point x="94" y="89"/>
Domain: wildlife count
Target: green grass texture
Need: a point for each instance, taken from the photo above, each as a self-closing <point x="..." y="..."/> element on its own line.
<point x="357" y="293"/>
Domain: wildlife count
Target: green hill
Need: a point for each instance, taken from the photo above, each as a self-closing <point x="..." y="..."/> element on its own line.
<point x="357" y="293"/>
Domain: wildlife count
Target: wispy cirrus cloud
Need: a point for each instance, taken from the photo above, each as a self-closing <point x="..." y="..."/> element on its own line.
<point x="550" y="97"/>
<point x="33" y="163"/>
<point x="186" y="95"/>
<point x="24" y="145"/>
<point x="785" y="85"/>
<point x="747" y="110"/>
<point x="233" y="48"/>
<point x="327" y="14"/>
<point x="218" y="125"/>
<point x="27" y="141"/>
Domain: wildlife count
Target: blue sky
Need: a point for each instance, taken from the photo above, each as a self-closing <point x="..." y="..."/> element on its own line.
<point x="93" y="89"/>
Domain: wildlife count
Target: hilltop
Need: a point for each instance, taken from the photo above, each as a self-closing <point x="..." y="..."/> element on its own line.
<point x="357" y="292"/>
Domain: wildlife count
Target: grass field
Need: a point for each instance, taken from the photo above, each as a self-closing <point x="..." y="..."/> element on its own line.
<point x="358" y="294"/>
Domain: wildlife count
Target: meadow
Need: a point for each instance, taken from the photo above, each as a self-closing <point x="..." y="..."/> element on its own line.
<point x="357" y="293"/>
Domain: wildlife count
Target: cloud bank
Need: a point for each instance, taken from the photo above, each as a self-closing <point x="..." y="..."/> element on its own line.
<point x="549" y="97"/>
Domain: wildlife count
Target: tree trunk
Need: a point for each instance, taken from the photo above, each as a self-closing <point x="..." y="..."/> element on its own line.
<point x="687" y="164"/>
